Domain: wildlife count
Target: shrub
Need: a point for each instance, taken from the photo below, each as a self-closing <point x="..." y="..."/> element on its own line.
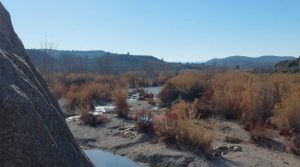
<point x="164" y="76"/>
<point x="191" y="84"/>
<point x="144" y="122"/>
<point x="186" y="86"/>
<point x="93" y="120"/>
<point x="120" y="98"/>
<point x="168" y="94"/>
<point x="248" y="97"/>
<point x="287" y="112"/>
<point x="176" y="127"/>
<point x="258" y="102"/>
<point x="86" y="87"/>
<point x="59" y="90"/>
<point x="84" y="110"/>
<point x="228" y="93"/>
<point x="201" y="109"/>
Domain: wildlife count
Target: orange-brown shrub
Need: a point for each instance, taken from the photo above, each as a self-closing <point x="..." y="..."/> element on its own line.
<point x="85" y="87"/>
<point x="178" y="128"/>
<point x="93" y="120"/>
<point x="144" y="122"/>
<point x="228" y="92"/>
<point x="201" y="109"/>
<point x="191" y="84"/>
<point x="59" y="90"/>
<point x="250" y="98"/>
<point x="120" y="99"/>
<point x="168" y="94"/>
<point x="287" y="113"/>
<point x="258" y="101"/>
<point x="84" y="110"/>
<point x="186" y="86"/>
<point x="138" y="79"/>
<point x="164" y="76"/>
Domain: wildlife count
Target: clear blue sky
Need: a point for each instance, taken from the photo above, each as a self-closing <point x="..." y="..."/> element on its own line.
<point x="176" y="30"/>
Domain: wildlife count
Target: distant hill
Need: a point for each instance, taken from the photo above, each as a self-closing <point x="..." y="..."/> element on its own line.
<point x="245" y="62"/>
<point x="58" y="53"/>
<point x="76" y="61"/>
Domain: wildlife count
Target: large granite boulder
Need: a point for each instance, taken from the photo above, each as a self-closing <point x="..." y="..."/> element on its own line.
<point x="33" y="131"/>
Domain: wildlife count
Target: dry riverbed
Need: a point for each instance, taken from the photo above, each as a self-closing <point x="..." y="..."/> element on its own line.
<point x="233" y="145"/>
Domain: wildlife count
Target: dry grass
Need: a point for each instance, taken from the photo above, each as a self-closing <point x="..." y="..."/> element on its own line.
<point x="258" y="102"/>
<point x="287" y="112"/>
<point x="139" y="79"/>
<point x="168" y="94"/>
<point x="59" y="90"/>
<point x="83" y="108"/>
<point x="247" y="97"/>
<point x="176" y="127"/>
<point x="186" y="86"/>
<point x="144" y="122"/>
<point x="120" y="99"/>
<point x="251" y="98"/>
<point x="228" y="91"/>
<point x="164" y="76"/>
<point x="85" y="87"/>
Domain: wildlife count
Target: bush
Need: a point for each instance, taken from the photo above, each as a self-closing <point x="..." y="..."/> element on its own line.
<point x="228" y="93"/>
<point x="144" y="122"/>
<point x="93" y="120"/>
<point x="248" y="97"/>
<point x="164" y="76"/>
<point x="84" y="110"/>
<point x="186" y="86"/>
<point x="176" y="127"/>
<point x="168" y="94"/>
<point x="201" y="109"/>
<point x="59" y="90"/>
<point x="120" y="99"/>
<point x="287" y="113"/>
<point x="86" y="87"/>
<point x="258" y="102"/>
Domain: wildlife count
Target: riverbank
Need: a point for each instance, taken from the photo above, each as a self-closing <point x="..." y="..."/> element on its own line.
<point x="120" y="137"/>
<point x="233" y="146"/>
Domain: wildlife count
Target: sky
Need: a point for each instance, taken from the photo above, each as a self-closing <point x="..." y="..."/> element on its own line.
<point x="175" y="30"/>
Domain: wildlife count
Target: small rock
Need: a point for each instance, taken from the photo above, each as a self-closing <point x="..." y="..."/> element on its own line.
<point x="234" y="140"/>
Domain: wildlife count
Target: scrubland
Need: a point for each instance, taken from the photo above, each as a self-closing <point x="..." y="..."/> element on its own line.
<point x="257" y="101"/>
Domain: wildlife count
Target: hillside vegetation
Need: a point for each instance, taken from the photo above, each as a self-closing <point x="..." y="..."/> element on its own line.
<point x="288" y="66"/>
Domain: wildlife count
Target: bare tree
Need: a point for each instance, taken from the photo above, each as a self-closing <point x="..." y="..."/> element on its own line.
<point x="47" y="65"/>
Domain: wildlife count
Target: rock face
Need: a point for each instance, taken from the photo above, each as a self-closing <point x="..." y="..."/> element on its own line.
<point x="33" y="131"/>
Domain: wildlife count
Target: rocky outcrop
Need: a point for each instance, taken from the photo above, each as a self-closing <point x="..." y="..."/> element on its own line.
<point x="33" y="131"/>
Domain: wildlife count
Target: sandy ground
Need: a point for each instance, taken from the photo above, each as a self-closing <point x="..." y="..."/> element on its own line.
<point x="119" y="137"/>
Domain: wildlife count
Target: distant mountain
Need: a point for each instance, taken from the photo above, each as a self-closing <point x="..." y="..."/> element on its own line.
<point x="245" y="62"/>
<point x="59" y="53"/>
<point x="93" y="61"/>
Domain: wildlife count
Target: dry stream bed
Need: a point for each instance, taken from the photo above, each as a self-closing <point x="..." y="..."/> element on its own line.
<point x="233" y="145"/>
